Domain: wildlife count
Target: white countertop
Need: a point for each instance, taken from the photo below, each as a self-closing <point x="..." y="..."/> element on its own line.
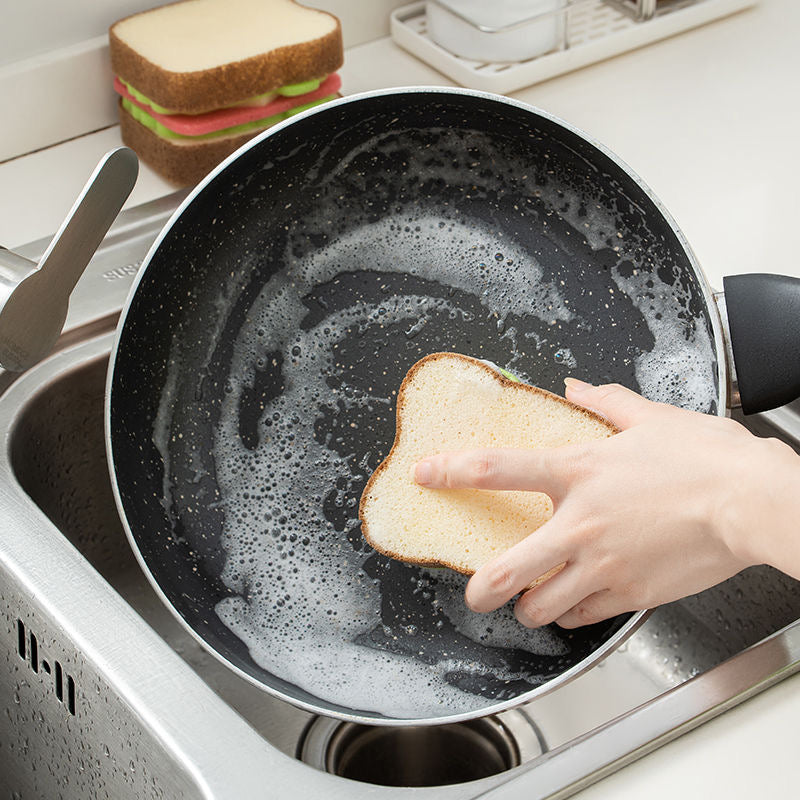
<point x="710" y="120"/>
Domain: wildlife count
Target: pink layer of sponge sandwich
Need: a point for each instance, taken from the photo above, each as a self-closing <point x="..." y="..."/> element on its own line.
<point x="222" y="119"/>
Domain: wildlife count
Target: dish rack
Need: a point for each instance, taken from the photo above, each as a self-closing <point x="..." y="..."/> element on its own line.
<point x="592" y="31"/>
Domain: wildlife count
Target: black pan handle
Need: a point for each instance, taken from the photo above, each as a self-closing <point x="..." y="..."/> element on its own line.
<point x="764" y="325"/>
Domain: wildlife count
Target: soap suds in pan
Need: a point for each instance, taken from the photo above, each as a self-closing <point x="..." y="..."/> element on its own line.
<point x="336" y="327"/>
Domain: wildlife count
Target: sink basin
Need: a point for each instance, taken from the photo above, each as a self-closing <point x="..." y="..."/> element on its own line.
<point x="106" y="694"/>
<point x="150" y="711"/>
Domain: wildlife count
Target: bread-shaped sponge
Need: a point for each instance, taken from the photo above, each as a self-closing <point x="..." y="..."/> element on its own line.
<point x="198" y="55"/>
<point x="449" y="402"/>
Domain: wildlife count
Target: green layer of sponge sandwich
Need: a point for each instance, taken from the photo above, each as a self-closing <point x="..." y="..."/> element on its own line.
<point x="143" y="118"/>
<point x="293" y="90"/>
<point x="239" y="118"/>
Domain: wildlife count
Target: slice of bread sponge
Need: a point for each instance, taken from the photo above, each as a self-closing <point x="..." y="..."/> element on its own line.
<point x="448" y="402"/>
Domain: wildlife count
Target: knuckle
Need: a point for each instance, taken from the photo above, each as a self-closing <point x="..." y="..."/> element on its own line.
<point x="626" y="592"/>
<point x="779" y="449"/>
<point x="451" y="471"/>
<point x="730" y="427"/>
<point x="604" y="560"/>
<point x="579" y="463"/>
<point x="500" y="578"/>
<point x="579" y="535"/>
<point x="530" y="613"/>
<point x="631" y="590"/>
<point x="610" y="390"/>
<point x="481" y="468"/>
<point x="585" y="614"/>
<point x="728" y="423"/>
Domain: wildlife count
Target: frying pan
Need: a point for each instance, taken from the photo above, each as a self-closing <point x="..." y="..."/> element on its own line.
<point x="251" y="390"/>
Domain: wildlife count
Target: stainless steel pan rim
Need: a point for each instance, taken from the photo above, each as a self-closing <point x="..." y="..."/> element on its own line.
<point x="628" y="628"/>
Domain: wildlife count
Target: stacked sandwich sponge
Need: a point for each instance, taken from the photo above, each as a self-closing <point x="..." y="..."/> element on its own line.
<point x="198" y="78"/>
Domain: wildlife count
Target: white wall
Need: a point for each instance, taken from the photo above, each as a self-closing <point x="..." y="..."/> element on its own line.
<point x="32" y="27"/>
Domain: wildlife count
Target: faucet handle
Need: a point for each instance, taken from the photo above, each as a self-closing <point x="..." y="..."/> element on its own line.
<point x="34" y="298"/>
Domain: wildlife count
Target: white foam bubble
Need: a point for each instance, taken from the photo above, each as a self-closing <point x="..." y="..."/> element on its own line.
<point x="680" y="367"/>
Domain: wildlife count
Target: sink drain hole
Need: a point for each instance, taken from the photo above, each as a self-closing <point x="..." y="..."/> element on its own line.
<point x="418" y="756"/>
<point x="464" y="751"/>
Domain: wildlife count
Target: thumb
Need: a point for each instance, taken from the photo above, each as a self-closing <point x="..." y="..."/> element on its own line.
<point x="618" y="405"/>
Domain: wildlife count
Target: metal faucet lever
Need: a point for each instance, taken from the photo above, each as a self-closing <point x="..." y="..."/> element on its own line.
<point x="34" y="298"/>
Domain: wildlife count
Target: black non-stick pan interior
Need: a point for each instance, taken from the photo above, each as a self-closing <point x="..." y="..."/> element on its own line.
<point x="254" y="381"/>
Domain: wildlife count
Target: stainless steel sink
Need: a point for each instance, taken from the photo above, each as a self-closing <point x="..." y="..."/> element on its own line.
<point x="106" y="695"/>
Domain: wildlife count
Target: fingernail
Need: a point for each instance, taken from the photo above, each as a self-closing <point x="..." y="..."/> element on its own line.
<point x="574" y="385"/>
<point x="422" y="473"/>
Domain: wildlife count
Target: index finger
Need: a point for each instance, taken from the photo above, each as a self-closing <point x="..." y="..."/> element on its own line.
<point x="539" y="557"/>
<point x="499" y="469"/>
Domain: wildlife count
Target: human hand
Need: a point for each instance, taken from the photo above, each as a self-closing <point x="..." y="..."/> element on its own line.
<point x="676" y="502"/>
